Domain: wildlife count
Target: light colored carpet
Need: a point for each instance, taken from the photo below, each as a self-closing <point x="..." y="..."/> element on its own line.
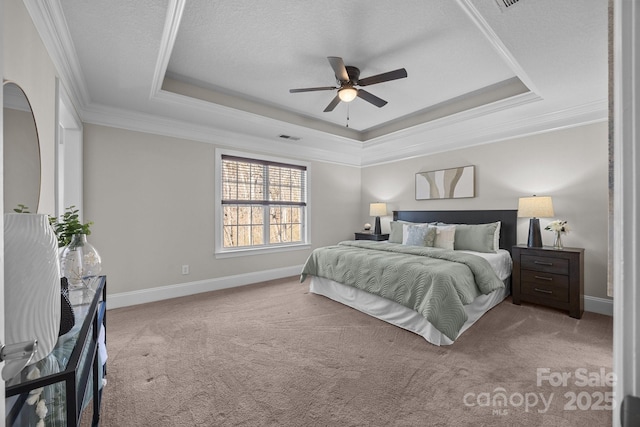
<point x="273" y="354"/>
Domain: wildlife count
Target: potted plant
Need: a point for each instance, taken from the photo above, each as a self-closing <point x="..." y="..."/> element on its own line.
<point x="68" y="225"/>
<point x="79" y="260"/>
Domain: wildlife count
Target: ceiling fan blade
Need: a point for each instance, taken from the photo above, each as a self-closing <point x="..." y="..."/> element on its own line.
<point x="378" y="102"/>
<point x="332" y="104"/>
<point x="312" y="89"/>
<point x="338" y="68"/>
<point x="400" y="73"/>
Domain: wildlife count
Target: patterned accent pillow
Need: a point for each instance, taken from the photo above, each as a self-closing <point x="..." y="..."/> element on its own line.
<point x="419" y="235"/>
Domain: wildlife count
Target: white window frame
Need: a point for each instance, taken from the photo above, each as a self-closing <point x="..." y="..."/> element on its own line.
<point x="222" y="252"/>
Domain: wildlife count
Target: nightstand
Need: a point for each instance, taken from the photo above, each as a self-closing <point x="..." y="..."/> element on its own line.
<point x="550" y="277"/>
<point x="362" y="235"/>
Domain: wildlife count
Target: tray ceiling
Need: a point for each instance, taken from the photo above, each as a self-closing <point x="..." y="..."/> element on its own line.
<point x="229" y="65"/>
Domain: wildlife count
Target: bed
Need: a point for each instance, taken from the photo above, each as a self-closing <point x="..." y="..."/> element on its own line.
<point x="421" y="289"/>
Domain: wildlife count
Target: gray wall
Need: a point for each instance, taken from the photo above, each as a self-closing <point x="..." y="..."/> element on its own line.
<point x="570" y="165"/>
<point x="152" y="201"/>
<point x="27" y="63"/>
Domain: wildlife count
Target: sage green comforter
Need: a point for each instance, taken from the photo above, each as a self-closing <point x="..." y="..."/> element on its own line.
<point x="437" y="283"/>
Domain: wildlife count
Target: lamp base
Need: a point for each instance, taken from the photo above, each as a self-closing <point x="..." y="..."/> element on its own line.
<point x="535" y="239"/>
<point x="377" y="229"/>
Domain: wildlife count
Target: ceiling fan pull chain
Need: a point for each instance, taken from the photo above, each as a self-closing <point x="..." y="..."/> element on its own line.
<point x="347" y="115"/>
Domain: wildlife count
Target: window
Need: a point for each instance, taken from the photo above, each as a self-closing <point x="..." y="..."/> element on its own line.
<point x="263" y="203"/>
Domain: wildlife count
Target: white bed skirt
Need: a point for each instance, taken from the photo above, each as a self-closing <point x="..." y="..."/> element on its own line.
<point x="401" y="316"/>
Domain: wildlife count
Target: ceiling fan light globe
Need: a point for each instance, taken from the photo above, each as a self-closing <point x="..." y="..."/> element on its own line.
<point x="348" y="94"/>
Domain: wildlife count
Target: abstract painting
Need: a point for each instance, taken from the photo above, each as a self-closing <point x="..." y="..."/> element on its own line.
<point x="451" y="183"/>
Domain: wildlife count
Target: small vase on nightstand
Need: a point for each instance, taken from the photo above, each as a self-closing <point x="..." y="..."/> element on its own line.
<point x="557" y="242"/>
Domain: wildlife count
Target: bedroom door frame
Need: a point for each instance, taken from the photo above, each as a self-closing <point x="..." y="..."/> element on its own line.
<point x="626" y="200"/>
<point x="2" y="390"/>
<point x="69" y="154"/>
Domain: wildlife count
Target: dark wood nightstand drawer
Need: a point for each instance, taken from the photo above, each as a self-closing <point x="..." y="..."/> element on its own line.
<point x="546" y="264"/>
<point x="371" y="236"/>
<point x="544" y="278"/>
<point x="545" y="285"/>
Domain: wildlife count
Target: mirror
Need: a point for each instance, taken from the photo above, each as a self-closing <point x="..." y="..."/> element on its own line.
<point x="21" y="151"/>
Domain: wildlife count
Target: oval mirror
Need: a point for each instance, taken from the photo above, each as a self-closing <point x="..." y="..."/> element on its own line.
<point x="21" y="151"/>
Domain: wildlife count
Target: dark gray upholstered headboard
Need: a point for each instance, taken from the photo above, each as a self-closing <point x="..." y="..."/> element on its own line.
<point x="508" y="228"/>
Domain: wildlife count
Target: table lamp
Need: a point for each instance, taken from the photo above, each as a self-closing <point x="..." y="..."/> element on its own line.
<point x="534" y="208"/>
<point x="377" y="210"/>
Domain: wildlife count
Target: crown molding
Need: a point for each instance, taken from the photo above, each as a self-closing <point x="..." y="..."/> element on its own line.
<point x="169" y="34"/>
<point x="475" y="133"/>
<point x="149" y="123"/>
<point x="453" y="119"/>
<point x="496" y="43"/>
<point x="50" y="23"/>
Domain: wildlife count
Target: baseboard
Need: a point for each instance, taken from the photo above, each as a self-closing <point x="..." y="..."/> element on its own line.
<point x="125" y="299"/>
<point x="598" y="305"/>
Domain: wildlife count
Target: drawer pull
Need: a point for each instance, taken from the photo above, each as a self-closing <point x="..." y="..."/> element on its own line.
<point x="550" y="279"/>
<point x="543" y="263"/>
<point x="544" y="291"/>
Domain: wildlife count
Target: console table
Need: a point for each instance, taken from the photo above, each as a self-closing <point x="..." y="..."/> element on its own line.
<point x="71" y="375"/>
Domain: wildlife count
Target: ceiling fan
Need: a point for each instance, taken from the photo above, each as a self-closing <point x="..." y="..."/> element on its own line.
<point x="348" y="78"/>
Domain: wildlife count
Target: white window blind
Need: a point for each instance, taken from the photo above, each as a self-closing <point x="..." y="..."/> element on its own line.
<point x="263" y="202"/>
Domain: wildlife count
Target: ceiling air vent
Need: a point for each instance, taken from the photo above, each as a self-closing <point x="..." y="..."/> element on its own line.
<point x="293" y="138"/>
<point x="505" y="4"/>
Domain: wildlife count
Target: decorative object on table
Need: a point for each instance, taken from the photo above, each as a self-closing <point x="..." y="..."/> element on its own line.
<point x="534" y="208"/>
<point x="451" y="183"/>
<point x="22" y="163"/>
<point x="79" y="261"/>
<point x="377" y="209"/>
<point x="36" y="399"/>
<point x="21" y="209"/>
<point x="367" y="227"/>
<point x="31" y="282"/>
<point x="68" y="225"/>
<point x="67" y="316"/>
<point x="559" y="227"/>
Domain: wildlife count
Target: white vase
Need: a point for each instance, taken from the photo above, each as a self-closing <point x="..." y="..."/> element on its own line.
<point x="79" y="261"/>
<point x="31" y="282"/>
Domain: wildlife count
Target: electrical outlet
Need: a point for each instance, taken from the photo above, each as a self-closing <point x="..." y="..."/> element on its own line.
<point x="185" y="269"/>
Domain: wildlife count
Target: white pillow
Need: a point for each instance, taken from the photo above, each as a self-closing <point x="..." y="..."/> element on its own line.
<point x="445" y="236"/>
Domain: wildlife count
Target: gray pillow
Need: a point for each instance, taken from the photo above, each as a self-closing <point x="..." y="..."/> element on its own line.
<point x="395" y="234"/>
<point x="477" y="237"/>
<point x="420" y="235"/>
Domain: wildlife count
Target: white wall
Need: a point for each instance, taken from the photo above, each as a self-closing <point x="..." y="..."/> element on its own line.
<point x="570" y="165"/>
<point x="152" y="201"/>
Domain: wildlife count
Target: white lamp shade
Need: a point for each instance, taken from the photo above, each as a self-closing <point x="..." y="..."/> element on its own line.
<point x="535" y="207"/>
<point x="378" y="209"/>
<point x="31" y="282"/>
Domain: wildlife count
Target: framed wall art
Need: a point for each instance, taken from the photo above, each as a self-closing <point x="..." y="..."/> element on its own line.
<point x="451" y="183"/>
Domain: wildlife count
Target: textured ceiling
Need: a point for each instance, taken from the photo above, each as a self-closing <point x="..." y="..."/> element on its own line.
<point x="229" y="65"/>
<point x="259" y="50"/>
